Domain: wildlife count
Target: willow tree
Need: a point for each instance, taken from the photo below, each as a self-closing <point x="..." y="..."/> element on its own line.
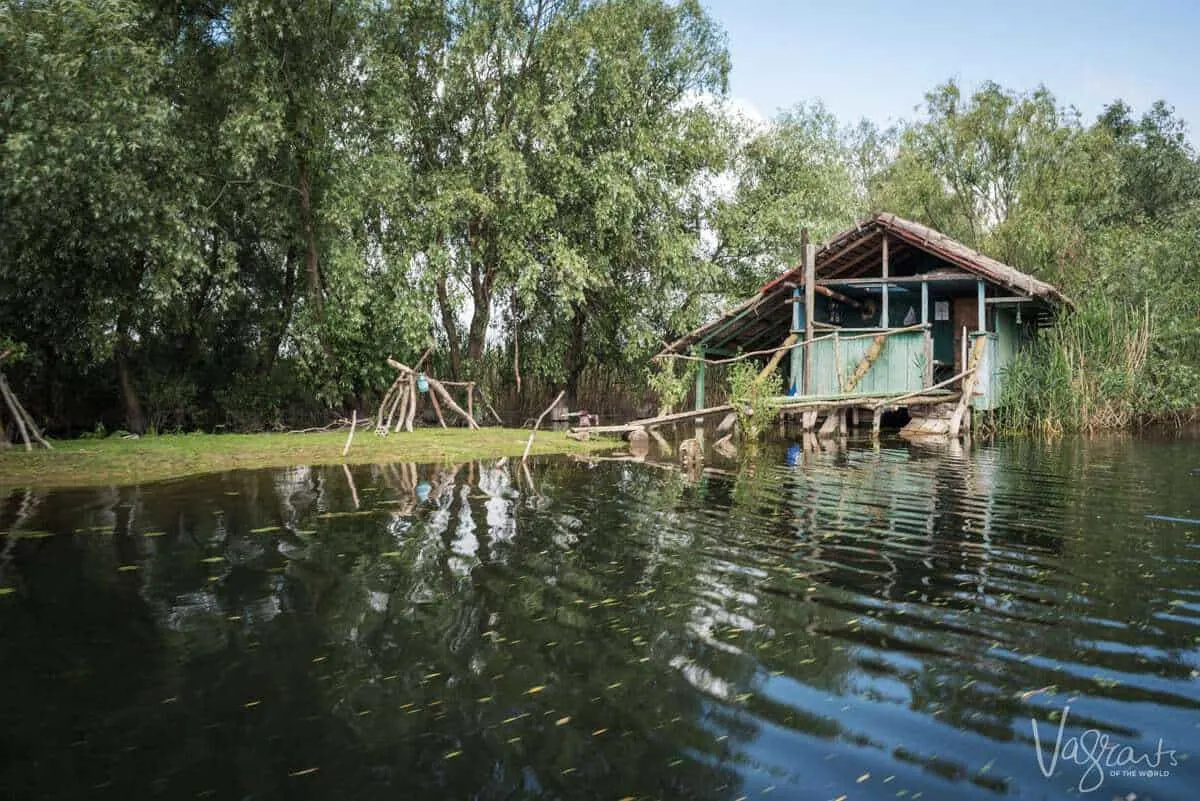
<point x="93" y="237"/>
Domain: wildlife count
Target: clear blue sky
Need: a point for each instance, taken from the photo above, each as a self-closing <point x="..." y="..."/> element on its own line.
<point x="877" y="59"/>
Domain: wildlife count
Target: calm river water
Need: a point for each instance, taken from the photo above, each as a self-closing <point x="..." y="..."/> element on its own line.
<point x="858" y="624"/>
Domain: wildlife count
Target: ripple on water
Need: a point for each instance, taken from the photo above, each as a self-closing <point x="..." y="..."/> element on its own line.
<point x="868" y="623"/>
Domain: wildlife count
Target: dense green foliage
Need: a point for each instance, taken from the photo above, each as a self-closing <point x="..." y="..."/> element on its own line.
<point x="227" y="215"/>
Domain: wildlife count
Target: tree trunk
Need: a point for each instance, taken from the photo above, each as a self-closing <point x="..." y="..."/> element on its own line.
<point x="266" y="362"/>
<point x="451" y="326"/>
<point x="575" y="358"/>
<point x="134" y="419"/>
<point x="311" y="263"/>
<point x="483" y="279"/>
<point x="477" y="334"/>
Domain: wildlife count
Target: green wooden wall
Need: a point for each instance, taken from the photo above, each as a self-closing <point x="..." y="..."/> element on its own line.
<point x="899" y="368"/>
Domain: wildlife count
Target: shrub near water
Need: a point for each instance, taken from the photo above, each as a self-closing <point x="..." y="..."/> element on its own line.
<point x="753" y="399"/>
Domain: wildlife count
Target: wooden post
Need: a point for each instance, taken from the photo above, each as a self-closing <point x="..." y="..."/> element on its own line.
<point x="982" y="311"/>
<point x="810" y="281"/>
<point x="700" y="381"/>
<point x="968" y="386"/>
<point x="928" y="377"/>
<point x="883" y="306"/>
<point x="471" y="401"/>
<point x="350" y="438"/>
<point x="797" y="351"/>
<point x="876" y="419"/>
<point x="837" y="359"/>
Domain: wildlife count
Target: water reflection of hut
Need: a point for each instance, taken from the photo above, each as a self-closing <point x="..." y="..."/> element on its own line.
<point x="889" y="313"/>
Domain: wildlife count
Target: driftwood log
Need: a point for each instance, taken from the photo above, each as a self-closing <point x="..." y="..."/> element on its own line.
<point x="398" y="409"/>
<point x="23" y="420"/>
<point x="541" y="417"/>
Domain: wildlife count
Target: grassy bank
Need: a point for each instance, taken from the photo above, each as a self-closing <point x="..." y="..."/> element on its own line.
<point x="92" y="462"/>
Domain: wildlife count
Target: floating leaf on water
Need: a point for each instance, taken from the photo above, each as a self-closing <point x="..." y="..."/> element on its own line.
<point x="513" y="740"/>
<point x="154" y="533"/>
<point x="535" y="690"/>
<point x="212" y="560"/>
<point x="7" y="590"/>
<point x="568" y="771"/>
<point x="563" y="721"/>
<point x="266" y="529"/>
<point x="127" y="568"/>
<point x="614" y="685"/>
<point x="598" y="732"/>
<point x="862" y="778"/>
<point x="390" y="553"/>
<point x="453" y="755"/>
<point x="252" y="704"/>
<point x="306" y="771"/>
<point x="319" y="659"/>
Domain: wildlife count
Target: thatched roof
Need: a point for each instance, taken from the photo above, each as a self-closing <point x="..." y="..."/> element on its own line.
<point x="855" y="252"/>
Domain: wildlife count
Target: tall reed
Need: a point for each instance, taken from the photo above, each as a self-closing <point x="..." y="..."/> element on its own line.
<point x="1091" y="371"/>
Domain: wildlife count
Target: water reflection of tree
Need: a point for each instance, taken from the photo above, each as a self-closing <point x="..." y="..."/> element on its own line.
<point x="591" y="630"/>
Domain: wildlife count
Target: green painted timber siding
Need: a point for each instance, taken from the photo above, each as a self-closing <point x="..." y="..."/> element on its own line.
<point x="997" y="356"/>
<point x="899" y="368"/>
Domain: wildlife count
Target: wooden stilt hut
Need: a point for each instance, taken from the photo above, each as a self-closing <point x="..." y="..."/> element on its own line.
<point x="886" y="315"/>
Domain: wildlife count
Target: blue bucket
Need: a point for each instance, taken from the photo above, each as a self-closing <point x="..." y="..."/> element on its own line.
<point x="422" y="383"/>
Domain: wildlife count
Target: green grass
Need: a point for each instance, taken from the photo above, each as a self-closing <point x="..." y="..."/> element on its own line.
<point x="93" y="462"/>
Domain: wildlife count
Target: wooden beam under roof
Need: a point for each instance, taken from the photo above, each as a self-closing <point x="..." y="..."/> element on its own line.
<point x="925" y="278"/>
